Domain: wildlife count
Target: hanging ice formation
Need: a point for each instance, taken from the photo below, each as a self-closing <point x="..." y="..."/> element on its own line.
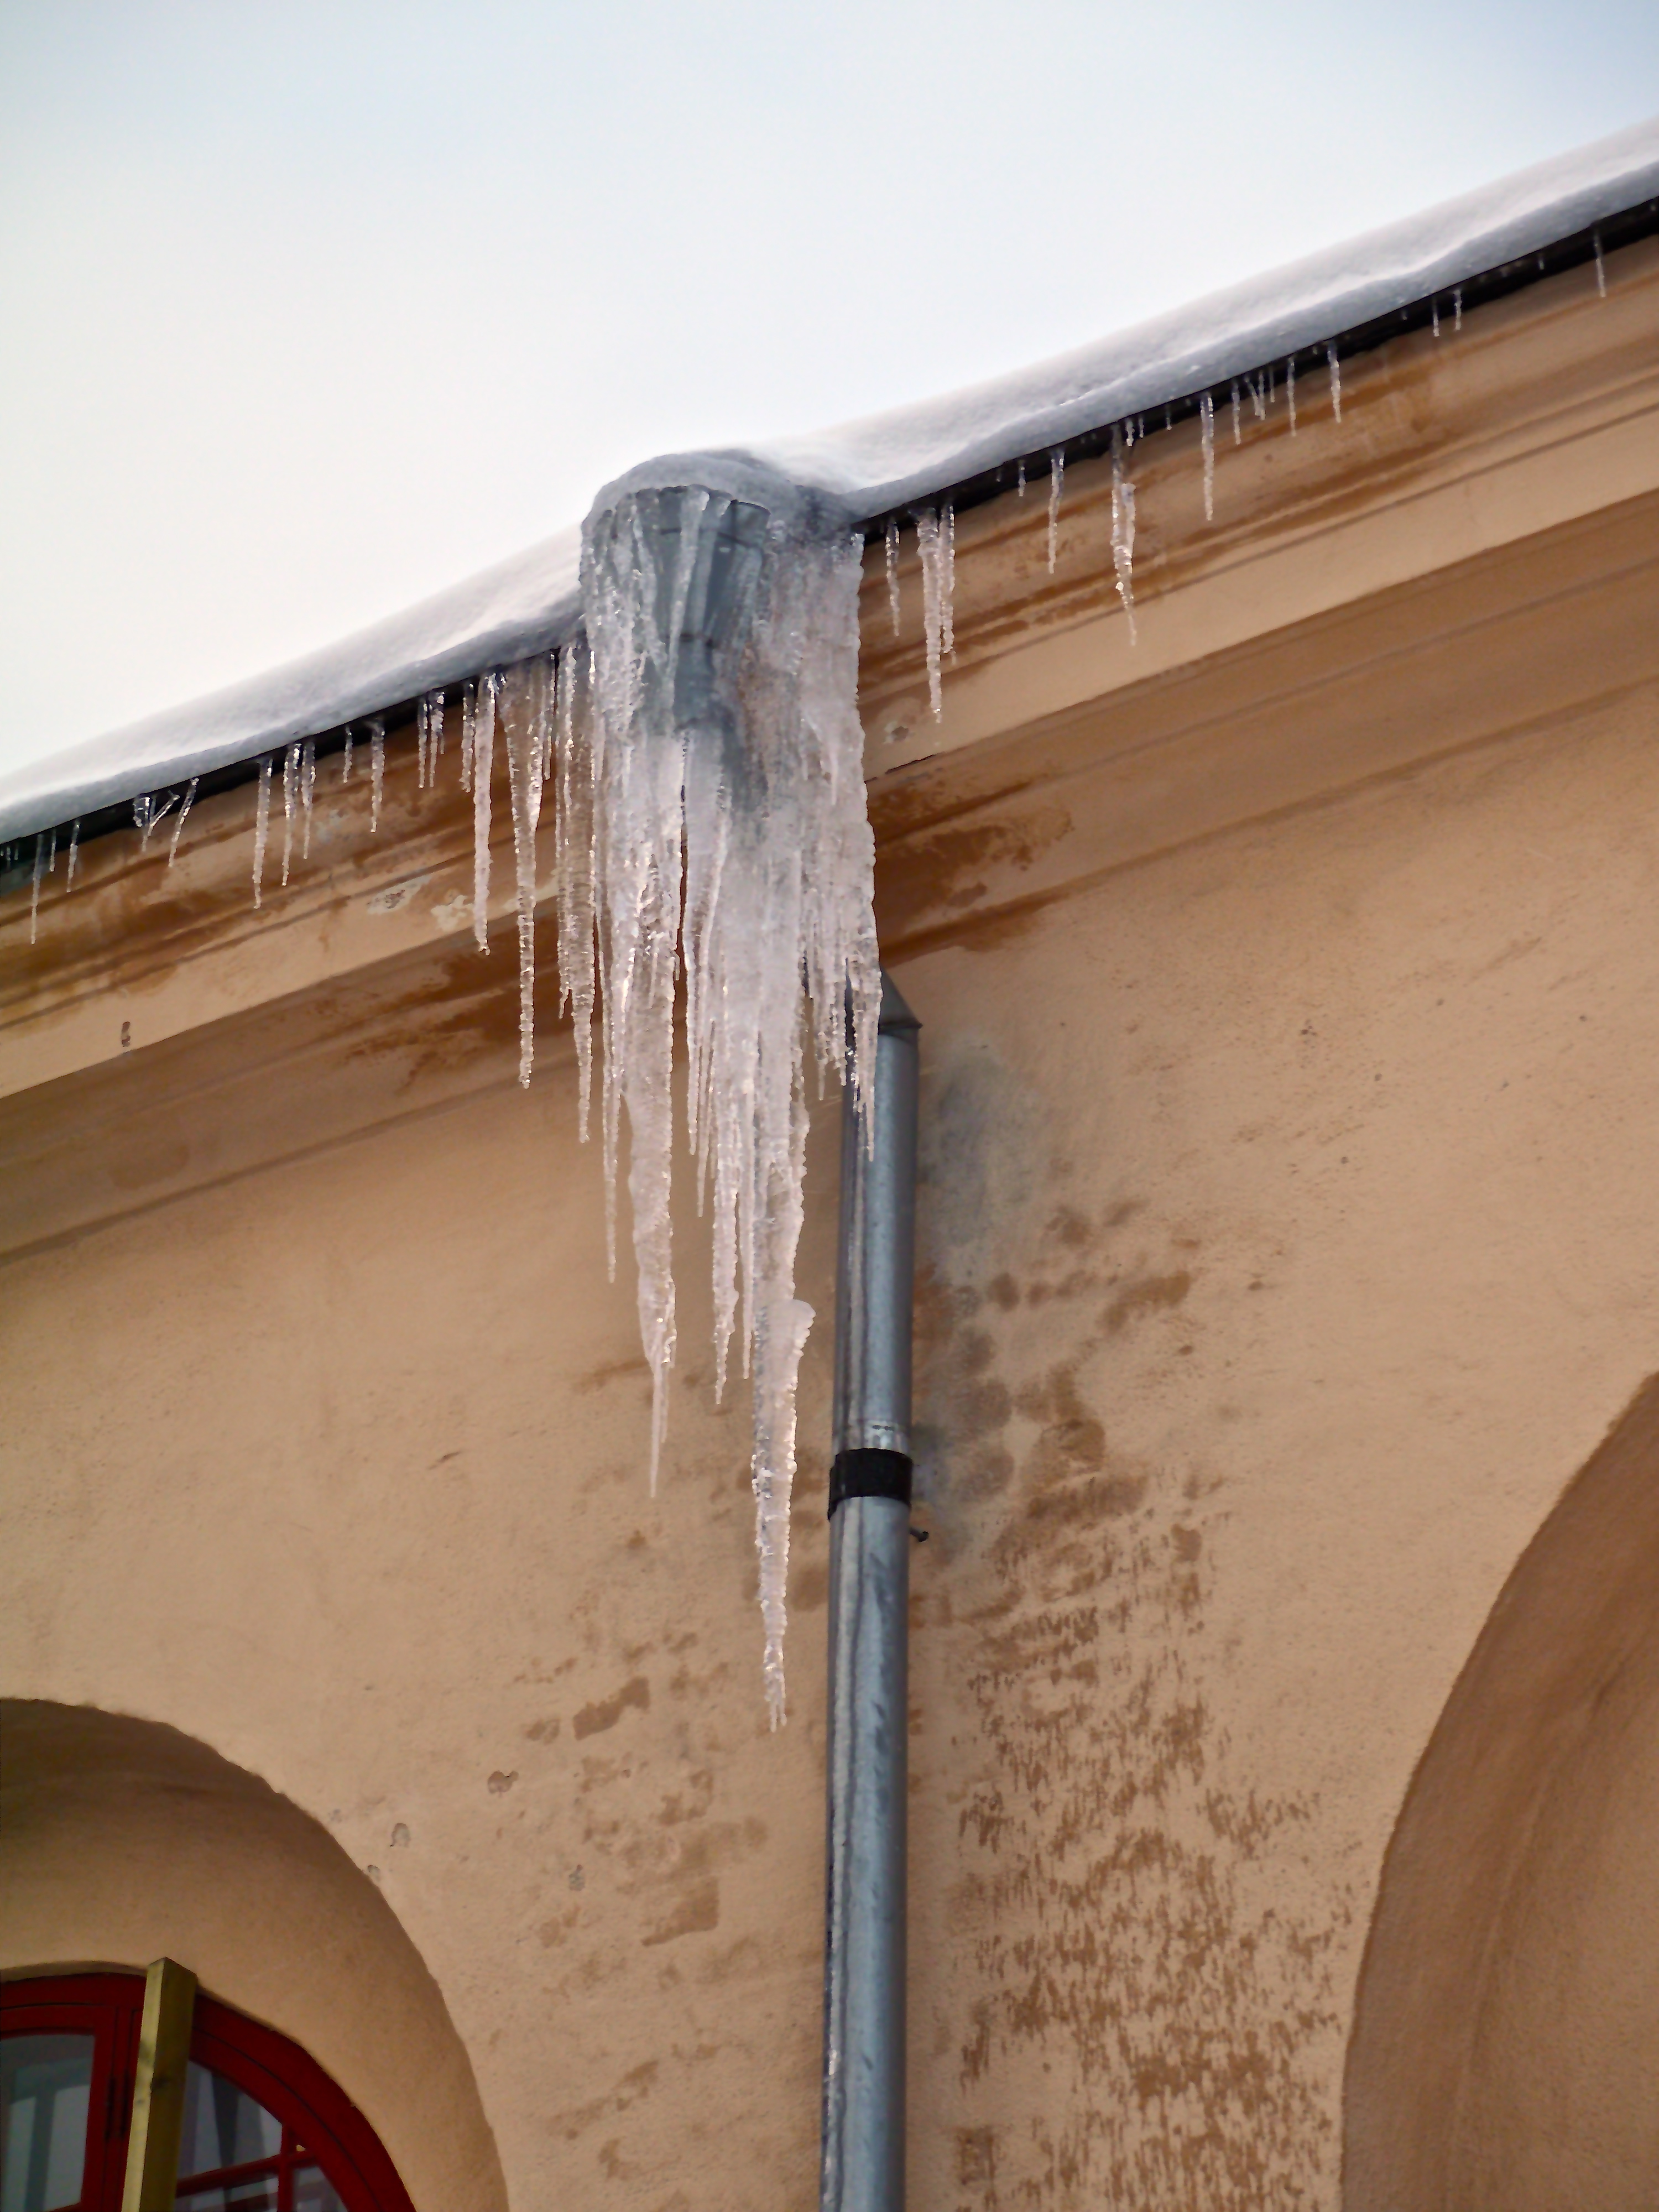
<point x="1123" y="532"/>
<point x="730" y="839"/>
<point x="936" y="544"/>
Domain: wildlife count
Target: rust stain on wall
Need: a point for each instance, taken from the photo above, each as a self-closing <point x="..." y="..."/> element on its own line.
<point x="606" y="1712"/>
<point x="1140" y="1997"/>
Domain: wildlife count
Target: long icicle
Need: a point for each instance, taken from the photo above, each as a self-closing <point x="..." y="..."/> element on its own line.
<point x="753" y="802"/>
<point x="572" y="862"/>
<point x="1123" y="531"/>
<point x="261" y="827"/>
<point x="526" y="712"/>
<point x="376" y="772"/>
<point x="484" y="742"/>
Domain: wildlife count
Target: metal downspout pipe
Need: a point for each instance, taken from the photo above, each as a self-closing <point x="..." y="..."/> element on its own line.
<point x="863" y="2160"/>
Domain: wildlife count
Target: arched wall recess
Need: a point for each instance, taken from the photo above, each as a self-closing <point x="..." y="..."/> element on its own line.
<point x="1506" y="2036"/>
<point x="122" y="1840"/>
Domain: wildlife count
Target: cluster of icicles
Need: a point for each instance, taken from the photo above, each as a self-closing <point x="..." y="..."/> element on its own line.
<point x="724" y="852"/>
<point x="936" y="529"/>
<point x="726" y="857"/>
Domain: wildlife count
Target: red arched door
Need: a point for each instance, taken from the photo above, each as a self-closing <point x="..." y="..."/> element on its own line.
<point x="265" y="2129"/>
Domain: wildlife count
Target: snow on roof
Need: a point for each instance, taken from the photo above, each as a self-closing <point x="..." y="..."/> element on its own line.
<point x="531" y="603"/>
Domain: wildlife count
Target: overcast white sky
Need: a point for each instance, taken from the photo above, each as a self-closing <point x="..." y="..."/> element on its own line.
<point x="313" y="306"/>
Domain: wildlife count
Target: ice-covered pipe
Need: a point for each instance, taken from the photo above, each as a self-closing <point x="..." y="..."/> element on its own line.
<point x="863" y="2160"/>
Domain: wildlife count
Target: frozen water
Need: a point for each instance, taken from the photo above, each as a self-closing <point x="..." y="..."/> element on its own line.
<point x="376" y="771"/>
<point x="74" y="852"/>
<point x="1238" y="433"/>
<point x="730" y="832"/>
<point x="1207" y="433"/>
<point x="572" y="866"/>
<point x="483" y="747"/>
<point x="1056" y="479"/>
<point x="178" y="826"/>
<point x="1290" y="392"/>
<point x="345" y="757"/>
<point x="1601" y="265"/>
<point x="527" y="714"/>
<point x="1336" y="380"/>
<point x="261" y="827"/>
<point x="1123" y="532"/>
<point x="936" y="538"/>
<point x="307" y="787"/>
<point x="893" y="604"/>
<point x="290" y="793"/>
<point x="38" y="870"/>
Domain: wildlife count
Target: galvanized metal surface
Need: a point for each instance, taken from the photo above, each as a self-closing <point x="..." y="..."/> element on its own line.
<point x="863" y="2163"/>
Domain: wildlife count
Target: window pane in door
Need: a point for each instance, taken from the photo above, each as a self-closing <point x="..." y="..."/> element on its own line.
<point x="223" y="2126"/>
<point x="315" y="2192"/>
<point x="257" y="2195"/>
<point x="45" y="2083"/>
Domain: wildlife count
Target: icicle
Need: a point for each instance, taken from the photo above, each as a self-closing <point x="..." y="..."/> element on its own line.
<point x="1130" y="434"/>
<point x="1056" y="478"/>
<point x="1336" y="380"/>
<point x="526" y="718"/>
<point x="947" y="597"/>
<point x="892" y="571"/>
<point x="183" y="816"/>
<point x="572" y="867"/>
<point x="1123" y="532"/>
<point x="933" y="541"/>
<point x="435" y="700"/>
<point x="290" y="793"/>
<point x="1290" y="391"/>
<point x="1601" y="265"/>
<point x="1258" y="402"/>
<point x="345" y="757"/>
<point x="376" y="772"/>
<point x="74" y="851"/>
<point x="34" y="882"/>
<point x="730" y="826"/>
<point x="261" y="826"/>
<point x="469" y="714"/>
<point x="1207" y="434"/>
<point x="1434" y="317"/>
<point x="1019" y="482"/>
<point x="307" y="788"/>
<point x="1457" y="308"/>
<point x="484" y="742"/>
<point x="148" y="816"/>
<point x="422" y="719"/>
<point x="1237" y="431"/>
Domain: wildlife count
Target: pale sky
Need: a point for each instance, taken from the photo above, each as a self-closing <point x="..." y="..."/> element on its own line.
<point x="313" y="307"/>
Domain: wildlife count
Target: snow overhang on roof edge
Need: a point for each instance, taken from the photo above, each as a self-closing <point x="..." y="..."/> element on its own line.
<point x="531" y="603"/>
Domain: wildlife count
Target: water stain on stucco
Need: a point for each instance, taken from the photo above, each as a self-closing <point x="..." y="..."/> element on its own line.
<point x="606" y="1712"/>
<point x="1124" y="1908"/>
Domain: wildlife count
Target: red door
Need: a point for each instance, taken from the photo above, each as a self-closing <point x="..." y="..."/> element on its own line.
<point x="265" y="2129"/>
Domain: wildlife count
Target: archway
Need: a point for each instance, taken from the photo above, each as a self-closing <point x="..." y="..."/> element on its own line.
<point x="1506" y="2037"/>
<point x="122" y="1840"/>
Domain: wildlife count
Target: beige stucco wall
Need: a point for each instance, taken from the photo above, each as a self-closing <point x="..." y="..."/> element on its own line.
<point x="1289" y="1225"/>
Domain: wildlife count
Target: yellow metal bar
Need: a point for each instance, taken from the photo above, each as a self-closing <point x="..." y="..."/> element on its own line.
<point x="158" y="2096"/>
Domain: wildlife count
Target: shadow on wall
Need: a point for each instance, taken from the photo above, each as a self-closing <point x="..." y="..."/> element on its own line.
<point x="122" y="1841"/>
<point x="1505" y="2050"/>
